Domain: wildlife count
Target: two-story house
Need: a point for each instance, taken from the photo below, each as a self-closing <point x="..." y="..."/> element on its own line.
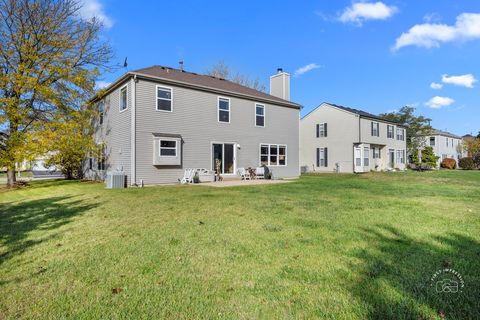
<point x="445" y="145"/>
<point x="334" y="138"/>
<point x="156" y="122"/>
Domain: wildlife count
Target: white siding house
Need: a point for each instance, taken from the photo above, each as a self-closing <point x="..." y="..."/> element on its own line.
<point x="339" y="139"/>
<point x="445" y="145"/>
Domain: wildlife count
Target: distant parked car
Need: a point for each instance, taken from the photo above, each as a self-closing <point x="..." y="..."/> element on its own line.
<point x="39" y="170"/>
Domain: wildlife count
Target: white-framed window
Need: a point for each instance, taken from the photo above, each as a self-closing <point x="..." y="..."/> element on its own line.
<point x="167" y="148"/>
<point x="123" y="98"/>
<point x="401" y="156"/>
<point x="322" y="157"/>
<point x="101" y="158"/>
<point x="164" y="99"/>
<point x="375" y="129"/>
<point x="273" y="154"/>
<point x="376" y="153"/>
<point x="321" y="130"/>
<point x="432" y="141"/>
<point x="446" y="140"/>
<point x="223" y="110"/>
<point x="400" y="134"/>
<point x="390" y="131"/>
<point x="101" y="111"/>
<point x="259" y="115"/>
<point x="366" y="156"/>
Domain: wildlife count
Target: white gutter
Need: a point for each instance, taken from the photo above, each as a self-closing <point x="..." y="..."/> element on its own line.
<point x="133" y="131"/>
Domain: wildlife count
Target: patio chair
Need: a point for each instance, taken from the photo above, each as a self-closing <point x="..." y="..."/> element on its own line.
<point x="244" y="174"/>
<point x="188" y="176"/>
<point x="260" y="172"/>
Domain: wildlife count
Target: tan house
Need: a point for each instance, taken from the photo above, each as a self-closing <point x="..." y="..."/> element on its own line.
<point x="334" y="138"/>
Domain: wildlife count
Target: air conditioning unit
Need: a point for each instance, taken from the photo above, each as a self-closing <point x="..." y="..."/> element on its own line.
<point x="115" y="180"/>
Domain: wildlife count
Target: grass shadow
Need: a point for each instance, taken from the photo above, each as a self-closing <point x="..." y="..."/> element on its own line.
<point x="397" y="275"/>
<point x="19" y="219"/>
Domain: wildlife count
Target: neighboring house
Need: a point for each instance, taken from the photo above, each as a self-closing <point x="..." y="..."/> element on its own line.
<point x="339" y="139"/>
<point x="445" y="145"/>
<point x="155" y="122"/>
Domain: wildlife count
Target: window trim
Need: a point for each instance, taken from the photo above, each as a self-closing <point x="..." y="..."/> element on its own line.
<point x="120" y="98"/>
<point x="402" y="135"/>
<point x="169" y="148"/>
<point x="101" y="115"/>
<point x="278" y="154"/>
<point x="229" y="109"/>
<point x="156" y="98"/>
<point x="323" y="150"/>
<point x="322" y="132"/>
<point x="366" y="156"/>
<point x="375" y="124"/>
<point x="393" y="131"/>
<point x="434" y="141"/>
<point x="257" y="115"/>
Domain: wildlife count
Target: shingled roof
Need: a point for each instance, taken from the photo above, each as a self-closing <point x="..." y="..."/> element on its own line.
<point x="361" y="113"/>
<point x="444" y="133"/>
<point x="204" y="82"/>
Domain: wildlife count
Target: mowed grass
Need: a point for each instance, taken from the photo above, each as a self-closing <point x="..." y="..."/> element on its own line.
<point x="326" y="246"/>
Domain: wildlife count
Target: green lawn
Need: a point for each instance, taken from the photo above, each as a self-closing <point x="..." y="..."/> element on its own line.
<point x="326" y="246"/>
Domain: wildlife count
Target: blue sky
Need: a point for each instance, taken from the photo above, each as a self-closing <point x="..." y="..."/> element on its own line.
<point x="374" y="55"/>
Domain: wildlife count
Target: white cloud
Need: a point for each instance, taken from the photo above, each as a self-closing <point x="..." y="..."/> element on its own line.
<point x="428" y="35"/>
<point x="305" y="69"/>
<point x="361" y="11"/>
<point x="93" y="8"/>
<point x="102" y="84"/>
<point x="436" y="86"/>
<point x="466" y="80"/>
<point x="439" y="102"/>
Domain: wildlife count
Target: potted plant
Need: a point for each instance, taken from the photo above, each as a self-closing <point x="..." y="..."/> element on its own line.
<point x="196" y="178"/>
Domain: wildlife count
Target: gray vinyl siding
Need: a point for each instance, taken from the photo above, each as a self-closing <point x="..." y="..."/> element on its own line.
<point x="115" y="134"/>
<point x="195" y="118"/>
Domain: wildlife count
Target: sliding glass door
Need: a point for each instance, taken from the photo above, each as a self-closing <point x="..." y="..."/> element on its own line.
<point x="225" y="153"/>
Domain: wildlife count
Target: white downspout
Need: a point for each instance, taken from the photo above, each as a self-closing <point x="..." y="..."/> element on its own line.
<point x="133" y="131"/>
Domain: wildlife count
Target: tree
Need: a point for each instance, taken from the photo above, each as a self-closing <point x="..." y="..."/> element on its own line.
<point x="49" y="59"/>
<point x="472" y="146"/>
<point x="429" y="158"/>
<point x="417" y="127"/>
<point x="70" y="139"/>
<point x="222" y="70"/>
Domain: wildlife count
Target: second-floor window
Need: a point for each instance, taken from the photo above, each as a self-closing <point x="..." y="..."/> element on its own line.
<point x="446" y="139"/>
<point x="259" y="115"/>
<point x="224" y="110"/>
<point x="321" y="130"/>
<point x="123" y="99"/>
<point x="101" y="111"/>
<point x="375" y="129"/>
<point x="432" y="141"/>
<point x="400" y="134"/>
<point x="164" y="99"/>
<point x="390" y="132"/>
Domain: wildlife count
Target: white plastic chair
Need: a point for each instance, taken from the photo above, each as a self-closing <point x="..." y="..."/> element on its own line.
<point x="260" y="172"/>
<point x="188" y="176"/>
<point x="244" y="174"/>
